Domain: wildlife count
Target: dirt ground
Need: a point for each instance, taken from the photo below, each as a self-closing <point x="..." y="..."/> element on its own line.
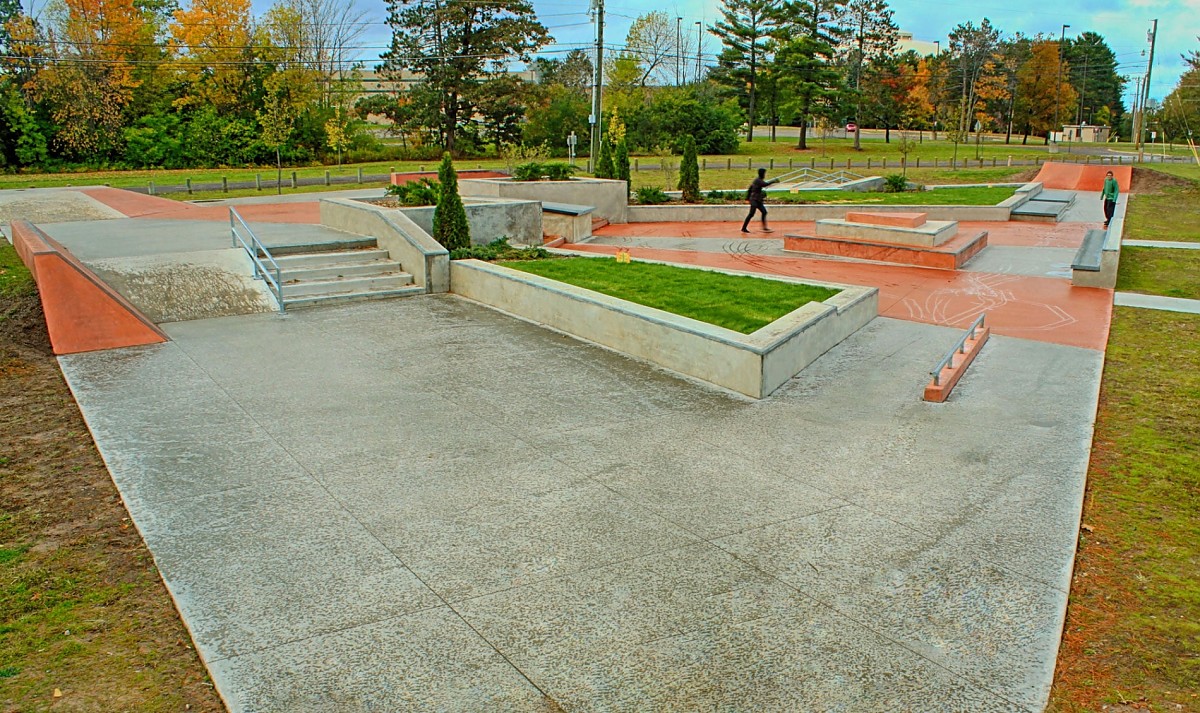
<point x="87" y="624"/>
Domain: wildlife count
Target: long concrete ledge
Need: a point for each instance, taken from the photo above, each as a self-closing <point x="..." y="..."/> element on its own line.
<point x="754" y="364"/>
<point x="1110" y="255"/>
<point x="83" y="313"/>
<point x="780" y="212"/>
<point x="412" y="247"/>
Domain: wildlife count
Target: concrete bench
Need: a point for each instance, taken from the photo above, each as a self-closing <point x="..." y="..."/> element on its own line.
<point x="1090" y="254"/>
<point x="568" y="220"/>
<point x="566" y="208"/>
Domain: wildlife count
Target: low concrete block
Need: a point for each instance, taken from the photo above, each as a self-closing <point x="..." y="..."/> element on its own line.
<point x="932" y="233"/>
<point x="754" y="364"/>
<point x="940" y="391"/>
<point x="899" y="220"/>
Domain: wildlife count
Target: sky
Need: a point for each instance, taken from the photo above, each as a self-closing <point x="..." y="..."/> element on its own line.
<point x="1123" y="23"/>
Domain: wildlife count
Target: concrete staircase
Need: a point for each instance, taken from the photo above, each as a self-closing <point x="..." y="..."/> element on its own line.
<point x="329" y="276"/>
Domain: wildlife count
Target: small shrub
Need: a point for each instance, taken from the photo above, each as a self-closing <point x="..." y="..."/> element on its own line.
<point x="651" y="195"/>
<point x="422" y="191"/>
<point x="895" y="183"/>
<point x="605" y="168"/>
<point x="499" y="249"/>
<point x="689" y="172"/>
<point x="716" y="196"/>
<point x="622" y="164"/>
<point x="534" y="171"/>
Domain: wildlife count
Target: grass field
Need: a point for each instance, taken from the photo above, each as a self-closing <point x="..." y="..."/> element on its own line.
<point x="1169" y="272"/>
<point x="1132" y="635"/>
<point x="974" y="195"/>
<point x="743" y="304"/>
<point x="85" y="622"/>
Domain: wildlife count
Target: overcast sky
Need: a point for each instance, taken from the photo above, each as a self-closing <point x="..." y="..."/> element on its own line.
<point x="1123" y="23"/>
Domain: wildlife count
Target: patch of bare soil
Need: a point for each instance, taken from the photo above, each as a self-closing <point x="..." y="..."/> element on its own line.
<point x="87" y="624"/>
<point x="1146" y="180"/>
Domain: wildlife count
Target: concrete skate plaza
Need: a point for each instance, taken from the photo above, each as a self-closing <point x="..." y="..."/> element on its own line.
<point x="424" y="504"/>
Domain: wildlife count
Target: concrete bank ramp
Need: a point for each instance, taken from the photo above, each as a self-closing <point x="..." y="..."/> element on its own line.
<point x="1074" y="177"/>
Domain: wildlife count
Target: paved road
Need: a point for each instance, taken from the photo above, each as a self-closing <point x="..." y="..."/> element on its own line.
<point x="426" y="505"/>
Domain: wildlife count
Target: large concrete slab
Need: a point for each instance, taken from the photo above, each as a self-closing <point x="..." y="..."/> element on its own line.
<point x="427" y="505"/>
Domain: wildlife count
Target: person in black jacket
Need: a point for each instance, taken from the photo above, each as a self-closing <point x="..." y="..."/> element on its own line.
<point x="755" y="195"/>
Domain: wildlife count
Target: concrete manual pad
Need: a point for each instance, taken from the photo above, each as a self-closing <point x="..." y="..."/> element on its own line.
<point x="427" y="505"/>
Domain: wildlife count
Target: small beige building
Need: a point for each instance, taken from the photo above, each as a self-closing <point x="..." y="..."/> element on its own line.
<point x="1083" y="133"/>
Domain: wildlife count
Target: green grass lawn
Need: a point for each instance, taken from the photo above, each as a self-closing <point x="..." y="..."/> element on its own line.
<point x="1170" y="272"/>
<point x="975" y="195"/>
<point x="1133" y="624"/>
<point x="743" y="304"/>
<point x="1172" y="213"/>
<point x="15" y="280"/>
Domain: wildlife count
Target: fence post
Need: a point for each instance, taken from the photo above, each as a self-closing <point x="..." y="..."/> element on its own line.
<point x="360" y="174"/>
<point x="918" y="161"/>
<point x="812" y="163"/>
<point x="293" y="179"/>
<point x="224" y="184"/>
<point x="189" y="185"/>
<point x="636" y="165"/>
<point x="993" y="161"/>
<point x="704" y="163"/>
<point x="847" y="163"/>
<point x="885" y="161"/>
<point x="749" y="163"/>
<point x="728" y="164"/>
<point x="327" y="178"/>
<point x="789" y="164"/>
<point x="258" y="181"/>
<point x="772" y="163"/>
<point x="151" y="187"/>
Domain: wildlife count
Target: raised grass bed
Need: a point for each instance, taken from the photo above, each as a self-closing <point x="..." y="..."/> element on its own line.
<point x="797" y="322"/>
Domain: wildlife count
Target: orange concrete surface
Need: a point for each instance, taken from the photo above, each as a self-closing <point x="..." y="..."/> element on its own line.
<point x="950" y="255"/>
<point x="952" y="372"/>
<point x="139" y="205"/>
<point x="1074" y="177"/>
<point x="1039" y="308"/>
<point x="896" y="220"/>
<point x="704" y="229"/>
<point x="83" y="314"/>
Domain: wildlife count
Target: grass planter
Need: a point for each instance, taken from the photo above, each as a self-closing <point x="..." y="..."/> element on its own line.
<point x="753" y="364"/>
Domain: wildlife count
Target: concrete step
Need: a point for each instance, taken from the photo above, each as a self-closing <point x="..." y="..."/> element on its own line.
<point x="598" y="223"/>
<point x="1040" y="211"/>
<point x="334" y="271"/>
<point x="325" y="259"/>
<point x="316" y="288"/>
<point x="337" y="298"/>
<point x="335" y="244"/>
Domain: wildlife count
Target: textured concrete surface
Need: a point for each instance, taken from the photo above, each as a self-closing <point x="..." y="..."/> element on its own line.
<point x="52" y="205"/>
<point x="427" y="505"/>
<point x="1169" y="304"/>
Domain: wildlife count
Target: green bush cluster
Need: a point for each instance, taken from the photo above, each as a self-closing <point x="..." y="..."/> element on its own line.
<point x="499" y="249"/>
<point x="535" y="171"/>
<point x="895" y="183"/>
<point x="422" y="191"/>
<point x="651" y="195"/>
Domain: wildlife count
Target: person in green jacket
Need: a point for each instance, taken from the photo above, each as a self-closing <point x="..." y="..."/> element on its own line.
<point x="1109" y="196"/>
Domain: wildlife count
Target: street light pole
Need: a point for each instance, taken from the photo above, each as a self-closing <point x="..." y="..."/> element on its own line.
<point x="1146" y="88"/>
<point x="1058" y="84"/>
<point x="597" y="86"/>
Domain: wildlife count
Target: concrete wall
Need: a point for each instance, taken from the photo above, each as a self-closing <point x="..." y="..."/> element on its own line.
<point x="573" y="228"/>
<point x="754" y="365"/>
<point x="607" y="197"/>
<point x="489" y="218"/>
<point x="1110" y="257"/>
<point x="412" y="247"/>
<point x="698" y="213"/>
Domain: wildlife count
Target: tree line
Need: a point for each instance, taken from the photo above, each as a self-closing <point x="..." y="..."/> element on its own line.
<point x="151" y="83"/>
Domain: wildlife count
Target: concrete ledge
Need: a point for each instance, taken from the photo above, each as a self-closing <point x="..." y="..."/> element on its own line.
<point x="929" y="234"/>
<point x="609" y="198"/>
<point x="573" y="228"/>
<point x="754" y="364"/>
<point x="489" y="218"/>
<point x="83" y="313"/>
<point x="950" y="374"/>
<point x="953" y="255"/>
<point x="1023" y="195"/>
<point x="1110" y="254"/>
<point x="408" y="244"/>
<point x="898" y="220"/>
<point x="782" y="212"/>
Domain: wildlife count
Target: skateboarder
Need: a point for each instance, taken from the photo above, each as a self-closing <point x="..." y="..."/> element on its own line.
<point x="1109" y="196"/>
<point x="755" y="195"/>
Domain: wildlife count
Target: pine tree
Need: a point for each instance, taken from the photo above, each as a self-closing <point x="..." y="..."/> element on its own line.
<point x="689" y="172"/>
<point x="745" y="30"/>
<point x="622" y="164"/>
<point x="604" y="164"/>
<point x="450" y="217"/>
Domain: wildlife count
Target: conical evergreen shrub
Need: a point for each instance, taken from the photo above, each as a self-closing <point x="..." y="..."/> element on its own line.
<point x="689" y="172"/>
<point x="450" y="226"/>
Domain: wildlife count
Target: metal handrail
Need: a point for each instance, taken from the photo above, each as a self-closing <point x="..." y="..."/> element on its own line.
<point x="253" y="246"/>
<point x="815" y="176"/>
<point x="959" y="348"/>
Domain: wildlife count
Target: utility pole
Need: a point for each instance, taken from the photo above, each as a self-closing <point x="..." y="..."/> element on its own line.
<point x="597" y="84"/>
<point x="699" y="47"/>
<point x="1153" y="35"/>
<point x="1058" y="84"/>
<point x="678" y="51"/>
<point x="1087" y="56"/>
<point x="1136" y="124"/>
